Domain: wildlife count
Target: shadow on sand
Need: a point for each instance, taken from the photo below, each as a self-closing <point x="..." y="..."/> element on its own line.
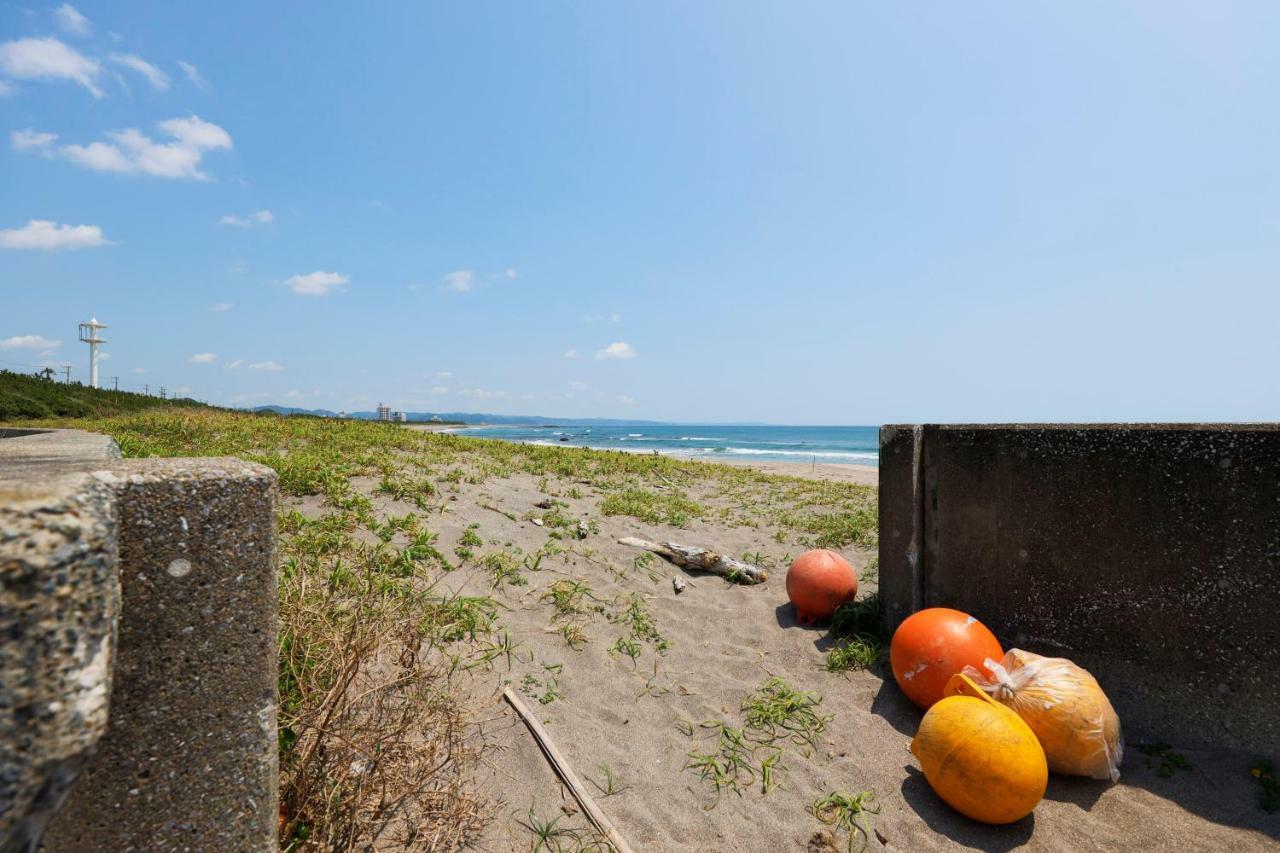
<point x="955" y="826"/>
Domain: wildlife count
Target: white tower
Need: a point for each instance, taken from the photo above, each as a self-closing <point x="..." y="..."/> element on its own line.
<point x="89" y="334"/>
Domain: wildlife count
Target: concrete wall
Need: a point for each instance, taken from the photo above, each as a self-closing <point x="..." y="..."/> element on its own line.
<point x="1149" y="554"/>
<point x="187" y="756"/>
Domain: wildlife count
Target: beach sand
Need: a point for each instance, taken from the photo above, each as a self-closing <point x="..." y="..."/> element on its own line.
<point x="864" y="475"/>
<point x="723" y="642"/>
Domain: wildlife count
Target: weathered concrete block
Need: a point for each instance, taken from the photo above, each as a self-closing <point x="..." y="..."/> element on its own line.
<point x="189" y="758"/>
<point x="59" y="598"/>
<point x="1150" y="554"/>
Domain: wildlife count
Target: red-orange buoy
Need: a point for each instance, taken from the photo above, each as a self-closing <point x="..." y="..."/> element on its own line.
<point x="932" y="645"/>
<point x="818" y="582"/>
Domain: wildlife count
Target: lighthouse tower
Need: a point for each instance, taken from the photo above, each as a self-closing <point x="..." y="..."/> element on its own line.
<point x="89" y="334"/>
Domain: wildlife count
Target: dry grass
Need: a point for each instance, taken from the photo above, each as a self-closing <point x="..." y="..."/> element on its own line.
<point x="376" y="743"/>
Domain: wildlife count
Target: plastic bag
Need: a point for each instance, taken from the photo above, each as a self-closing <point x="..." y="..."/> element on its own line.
<point x="1064" y="706"/>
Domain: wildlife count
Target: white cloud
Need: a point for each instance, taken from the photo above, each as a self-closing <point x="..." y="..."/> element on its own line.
<point x="133" y="152"/>
<point x="573" y="353"/>
<point x="439" y="390"/>
<point x="139" y="370"/>
<point x="7" y="89"/>
<point x="258" y="217"/>
<point x="204" y="358"/>
<point x="221" y="307"/>
<point x="157" y="78"/>
<point x="578" y="386"/>
<point x="510" y="274"/>
<point x="620" y="349"/>
<point x="232" y="365"/>
<point x="193" y="74"/>
<point x="459" y="280"/>
<point x="317" y="283"/>
<point x="39" y="343"/>
<point x="611" y="317"/>
<point x="483" y="394"/>
<point x="626" y="400"/>
<point x="71" y="21"/>
<point x="31" y="140"/>
<point x="49" y="59"/>
<point x="43" y="235"/>
<point x="104" y="356"/>
<point x="444" y="374"/>
<point x="266" y="365"/>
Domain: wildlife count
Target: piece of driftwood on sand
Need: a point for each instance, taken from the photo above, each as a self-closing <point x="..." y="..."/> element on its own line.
<point x="693" y="557"/>
<point x="565" y="772"/>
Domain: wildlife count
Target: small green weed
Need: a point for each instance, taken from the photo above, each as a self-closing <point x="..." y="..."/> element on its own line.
<point x="611" y="785"/>
<point x="848" y="813"/>
<point x="1165" y="760"/>
<point x="628" y="647"/>
<point x="779" y="711"/>
<point x="504" y="569"/>
<point x="1269" y="794"/>
<point x="857" y="653"/>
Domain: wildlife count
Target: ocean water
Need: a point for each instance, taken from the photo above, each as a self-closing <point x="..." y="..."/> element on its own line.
<point x="852" y="445"/>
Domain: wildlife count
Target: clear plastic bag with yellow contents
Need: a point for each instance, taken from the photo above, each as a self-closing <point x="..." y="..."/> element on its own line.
<point x="1063" y="704"/>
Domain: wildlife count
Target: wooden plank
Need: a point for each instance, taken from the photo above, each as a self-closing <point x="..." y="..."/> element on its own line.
<point x="565" y="772"/>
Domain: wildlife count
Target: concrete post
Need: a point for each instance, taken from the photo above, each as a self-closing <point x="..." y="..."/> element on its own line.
<point x="189" y="758"/>
<point x="138" y="613"/>
<point x="59" y="598"/>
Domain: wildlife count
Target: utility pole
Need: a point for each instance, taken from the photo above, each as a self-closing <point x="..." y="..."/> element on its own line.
<point x="66" y="370"/>
<point x="162" y="397"/>
<point x="115" y="383"/>
<point x="146" y="389"/>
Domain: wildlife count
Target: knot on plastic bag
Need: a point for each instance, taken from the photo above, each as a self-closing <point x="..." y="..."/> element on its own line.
<point x="1001" y="686"/>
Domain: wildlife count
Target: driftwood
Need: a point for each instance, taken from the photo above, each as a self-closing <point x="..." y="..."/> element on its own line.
<point x="565" y="772"/>
<point x="693" y="557"/>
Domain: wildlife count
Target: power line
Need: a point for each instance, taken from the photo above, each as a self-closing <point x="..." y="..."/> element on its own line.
<point x="66" y="369"/>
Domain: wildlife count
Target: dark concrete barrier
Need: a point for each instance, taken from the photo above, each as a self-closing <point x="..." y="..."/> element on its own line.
<point x="1149" y="554"/>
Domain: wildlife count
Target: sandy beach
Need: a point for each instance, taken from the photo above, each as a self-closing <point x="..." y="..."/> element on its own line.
<point x="631" y="704"/>
<point x="863" y="475"/>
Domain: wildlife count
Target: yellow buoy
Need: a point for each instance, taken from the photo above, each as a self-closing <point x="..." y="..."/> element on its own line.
<point x="979" y="756"/>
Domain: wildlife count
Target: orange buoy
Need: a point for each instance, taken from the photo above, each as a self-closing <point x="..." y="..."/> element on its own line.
<point x="980" y="757"/>
<point x="818" y="582"/>
<point x="932" y="645"/>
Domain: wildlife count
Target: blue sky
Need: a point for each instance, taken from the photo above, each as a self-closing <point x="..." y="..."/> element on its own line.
<point x="785" y="212"/>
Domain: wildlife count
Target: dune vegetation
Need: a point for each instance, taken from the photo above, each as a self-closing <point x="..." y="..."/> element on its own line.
<point x="25" y="395"/>
<point x="379" y="732"/>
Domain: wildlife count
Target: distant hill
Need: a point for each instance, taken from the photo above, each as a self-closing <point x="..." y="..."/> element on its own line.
<point x="290" y="410"/>
<point x="23" y="396"/>
<point x="466" y="417"/>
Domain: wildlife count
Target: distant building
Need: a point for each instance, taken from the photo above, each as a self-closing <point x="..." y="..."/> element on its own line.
<point x="402" y="417"/>
<point x="384" y="412"/>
